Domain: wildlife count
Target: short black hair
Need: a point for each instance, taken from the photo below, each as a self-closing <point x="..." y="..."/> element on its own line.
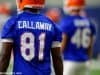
<point x="34" y="10"/>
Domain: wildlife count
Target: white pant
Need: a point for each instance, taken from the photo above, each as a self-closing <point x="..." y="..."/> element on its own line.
<point x="76" y="68"/>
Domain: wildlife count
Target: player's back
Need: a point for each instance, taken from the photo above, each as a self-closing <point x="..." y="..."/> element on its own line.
<point x="79" y="31"/>
<point x="33" y="35"/>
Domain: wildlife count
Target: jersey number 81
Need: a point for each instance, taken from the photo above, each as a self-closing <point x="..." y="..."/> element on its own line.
<point x="28" y="48"/>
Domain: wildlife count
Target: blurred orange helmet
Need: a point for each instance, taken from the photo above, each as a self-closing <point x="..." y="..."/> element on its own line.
<point x="53" y="14"/>
<point x="74" y="4"/>
<point x="5" y="8"/>
<point x="21" y="4"/>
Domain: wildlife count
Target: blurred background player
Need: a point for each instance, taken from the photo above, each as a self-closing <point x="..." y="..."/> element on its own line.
<point x="78" y="36"/>
<point x="5" y="11"/>
<point x="54" y="14"/>
<point x="33" y="37"/>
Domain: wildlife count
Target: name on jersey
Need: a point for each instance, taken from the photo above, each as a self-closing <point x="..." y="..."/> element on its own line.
<point x="81" y="23"/>
<point x="34" y="25"/>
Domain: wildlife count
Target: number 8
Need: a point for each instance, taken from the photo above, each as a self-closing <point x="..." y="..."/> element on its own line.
<point x="27" y="46"/>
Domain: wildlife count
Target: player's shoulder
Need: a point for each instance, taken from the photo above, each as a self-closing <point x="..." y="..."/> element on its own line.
<point x="67" y="17"/>
<point x="12" y="18"/>
<point x="48" y="19"/>
<point x="66" y="21"/>
<point x="11" y="21"/>
<point x="91" y="23"/>
<point x="54" y="25"/>
<point x="9" y="24"/>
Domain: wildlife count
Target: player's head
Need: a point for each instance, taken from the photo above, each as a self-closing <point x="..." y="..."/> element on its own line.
<point x="73" y="5"/>
<point x="5" y="8"/>
<point x="30" y="4"/>
<point x="53" y="14"/>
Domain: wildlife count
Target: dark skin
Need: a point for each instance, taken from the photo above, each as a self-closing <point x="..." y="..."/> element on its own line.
<point x="6" y="53"/>
<point x="90" y="51"/>
<point x="5" y="56"/>
<point x="57" y="61"/>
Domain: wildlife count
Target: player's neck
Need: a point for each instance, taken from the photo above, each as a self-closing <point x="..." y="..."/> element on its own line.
<point x="32" y="10"/>
<point x="75" y="12"/>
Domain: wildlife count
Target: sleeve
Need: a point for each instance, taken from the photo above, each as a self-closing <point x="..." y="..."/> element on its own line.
<point x="57" y="38"/>
<point x="65" y="26"/>
<point x="7" y="34"/>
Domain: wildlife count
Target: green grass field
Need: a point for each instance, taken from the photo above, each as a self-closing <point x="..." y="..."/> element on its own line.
<point x="95" y="72"/>
<point x="95" y="68"/>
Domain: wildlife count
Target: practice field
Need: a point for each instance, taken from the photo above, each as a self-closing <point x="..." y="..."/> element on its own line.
<point x="95" y="72"/>
<point x="95" y="68"/>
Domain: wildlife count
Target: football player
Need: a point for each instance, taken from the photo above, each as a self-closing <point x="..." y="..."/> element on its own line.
<point x="54" y="14"/>
<point x="78" y="35"/>
<point x="33" y="37"/>
<point x="5" y="11"/>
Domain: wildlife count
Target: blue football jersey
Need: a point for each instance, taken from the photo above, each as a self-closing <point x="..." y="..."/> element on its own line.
<point x="79" y="31"/>
<point x="33" y="36"/>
